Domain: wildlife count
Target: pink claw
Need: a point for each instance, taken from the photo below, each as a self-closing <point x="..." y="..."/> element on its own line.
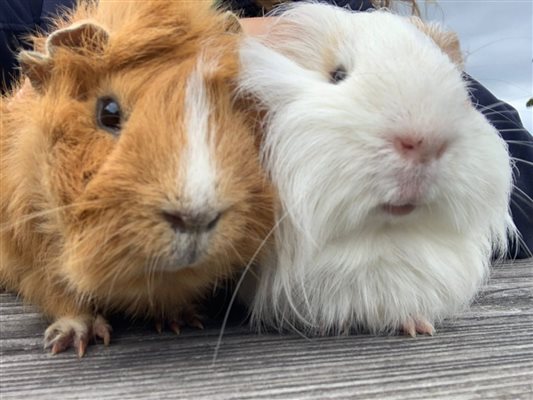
<point x="417" y="325"/>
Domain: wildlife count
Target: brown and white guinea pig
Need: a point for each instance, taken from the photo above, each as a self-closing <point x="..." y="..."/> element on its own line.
<point x="394" y="190"/>
<point x="130" y="181"/>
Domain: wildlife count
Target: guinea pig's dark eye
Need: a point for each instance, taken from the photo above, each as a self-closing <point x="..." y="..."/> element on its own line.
<point x="338" y="75"/>
<point x="109" y="115"/>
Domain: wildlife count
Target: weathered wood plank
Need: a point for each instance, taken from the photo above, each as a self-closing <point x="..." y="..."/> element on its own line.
<point x="485" y="353"/>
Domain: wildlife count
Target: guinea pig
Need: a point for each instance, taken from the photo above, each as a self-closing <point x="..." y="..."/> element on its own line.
<point x="130" y="181"/>
<point x="394" y="191"/>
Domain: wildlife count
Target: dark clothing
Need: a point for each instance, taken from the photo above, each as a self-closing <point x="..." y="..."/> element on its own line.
<point x="20" y="17"/>
<point x="250" y="8"/>
<point x="244" y="8"/>
<point x="506" y="119"/>
<point x="17" y="19"/>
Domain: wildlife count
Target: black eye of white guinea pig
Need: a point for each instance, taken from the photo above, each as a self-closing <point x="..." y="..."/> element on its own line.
<point x="109" y="115"/>
<point x="338" y="74"/>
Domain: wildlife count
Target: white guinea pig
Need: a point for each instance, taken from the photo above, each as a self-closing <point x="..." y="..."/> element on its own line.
<point x="394" y="191"/>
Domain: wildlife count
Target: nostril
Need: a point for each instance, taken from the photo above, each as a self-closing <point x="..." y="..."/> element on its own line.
<point x="420" y="150"/>
<point x="185" y="222"/>
<point x="406" y="144"/>
<point x="213" y="223"/>
<point x="175" y="219"/>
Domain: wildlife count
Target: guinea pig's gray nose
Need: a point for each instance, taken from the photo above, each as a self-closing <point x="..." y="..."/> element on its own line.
<point x="186" y="222"/>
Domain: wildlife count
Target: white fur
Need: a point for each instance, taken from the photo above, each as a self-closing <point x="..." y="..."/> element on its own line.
<point x="339" y="260"/>
<point x="197" y="173"/>
<point x="199" y="167"/>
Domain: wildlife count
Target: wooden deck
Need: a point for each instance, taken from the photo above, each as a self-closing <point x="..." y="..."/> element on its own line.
<point x="487" y="353"/>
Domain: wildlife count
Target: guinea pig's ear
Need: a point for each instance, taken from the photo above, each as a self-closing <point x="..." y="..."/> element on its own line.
<point x="270" y="76"/>
<point x="83" y="35"/>
<point x="231" y="23"/>
<point x="447" y="41"/>
<point x="36" y="66"/>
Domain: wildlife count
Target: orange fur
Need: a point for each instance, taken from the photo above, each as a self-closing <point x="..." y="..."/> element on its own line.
<point x="447" y="41"/>
<point x="80" y="225"/>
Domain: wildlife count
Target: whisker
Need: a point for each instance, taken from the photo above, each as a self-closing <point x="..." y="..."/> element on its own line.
<point x="238" y="286"/>
<point x="524" y="195"/>
<point x="295" y="329"/>
<point x="38" y="214"/>
<point x="522" y="161"/>
<point x="520" y="142"/>
<point x="494" y="112"/>
<point x="505" y="121"/>
<point x="500" y="112"/>
<point x="494" y="42"/>
<point x="150" y="278"/>
<point x="522" y="244"/>
<point x="238" y="255"/>
<point x="515" y="203"/>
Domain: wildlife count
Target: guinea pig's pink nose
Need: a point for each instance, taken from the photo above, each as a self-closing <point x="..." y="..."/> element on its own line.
<point x="185" y="222"/>
<point x="418" y="149"/>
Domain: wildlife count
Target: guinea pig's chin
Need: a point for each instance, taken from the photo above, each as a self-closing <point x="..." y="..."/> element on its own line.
<point x="181" y="261"/>
<point x="183" y="251"/>
<point x="173" y="267"/>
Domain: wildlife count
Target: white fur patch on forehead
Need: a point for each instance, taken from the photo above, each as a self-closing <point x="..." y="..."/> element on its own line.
<point x="198" y="165"/>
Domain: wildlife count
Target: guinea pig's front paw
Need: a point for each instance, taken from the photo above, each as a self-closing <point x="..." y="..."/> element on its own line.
<point x="417" y="325"/>
<point x="192" y="319"/>
<point x="102" y="329"/>
<point x="76" y="332"/>
<point x="188" y="319"/>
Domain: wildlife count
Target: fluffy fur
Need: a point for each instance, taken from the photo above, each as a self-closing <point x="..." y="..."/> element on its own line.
<point x="83" y="229"/>
<point x="343" y="255"/>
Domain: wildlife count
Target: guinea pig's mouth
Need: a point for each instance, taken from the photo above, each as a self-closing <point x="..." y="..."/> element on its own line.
<point x="190" y="259"/>
<point x="182" y="256"/>
<point x="398" y="210"/>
